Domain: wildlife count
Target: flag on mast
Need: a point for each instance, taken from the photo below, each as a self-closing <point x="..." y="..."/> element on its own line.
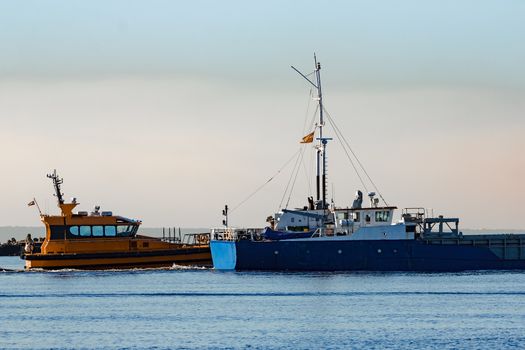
<point x="31" y="203"/>
<point x="308" y="138"/>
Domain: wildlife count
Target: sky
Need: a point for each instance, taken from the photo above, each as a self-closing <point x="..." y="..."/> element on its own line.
<point x="167" y="110"/>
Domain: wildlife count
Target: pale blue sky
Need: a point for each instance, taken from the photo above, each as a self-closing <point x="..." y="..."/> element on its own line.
<point x="198" y="98"/>
<point x="376" y="42"/>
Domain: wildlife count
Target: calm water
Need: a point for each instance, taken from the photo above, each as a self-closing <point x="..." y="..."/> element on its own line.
<point x="192" y="308"/>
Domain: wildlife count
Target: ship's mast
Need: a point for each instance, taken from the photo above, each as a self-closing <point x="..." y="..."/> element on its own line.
<point x="323" y="141"/>
<point x="57" y="181"/>
<point x="321" y="148"/>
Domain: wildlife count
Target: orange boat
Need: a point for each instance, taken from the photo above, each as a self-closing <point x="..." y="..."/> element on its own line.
<point x="101" y="240"/>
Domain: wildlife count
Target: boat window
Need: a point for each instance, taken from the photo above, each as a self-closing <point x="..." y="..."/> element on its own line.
<point x="382" y="216"/>
<point x="58" y="232"/>
<point x="98" y="231"/>
<point x="124" y="231"/>
<point x="73" y="230"/>
<point x="367" y="218"/>
<point x="356" y="216"/>
<point x="85" y="231"/>
<point x="342" y="215"/>
<point x="109" y="231"/>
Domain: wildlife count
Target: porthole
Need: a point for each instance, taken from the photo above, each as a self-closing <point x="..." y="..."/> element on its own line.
<point x="339" y="251"/>
<point x="379" y="251"/>
<point x="276" y="252"/>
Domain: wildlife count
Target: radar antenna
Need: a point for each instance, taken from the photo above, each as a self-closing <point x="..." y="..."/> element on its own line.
<point x="57" y="181"/>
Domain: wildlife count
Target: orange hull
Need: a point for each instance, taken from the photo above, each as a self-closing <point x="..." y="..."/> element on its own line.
<point x="196" y="255"/>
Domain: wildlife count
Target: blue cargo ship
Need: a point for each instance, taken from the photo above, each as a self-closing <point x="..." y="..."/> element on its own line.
<point x="324" y="237"/>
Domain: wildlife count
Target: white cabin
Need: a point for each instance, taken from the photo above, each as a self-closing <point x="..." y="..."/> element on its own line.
<point x="350" y="218"/>
<point x="346" y="223"/>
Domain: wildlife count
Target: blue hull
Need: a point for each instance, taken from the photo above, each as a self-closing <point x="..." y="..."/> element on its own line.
<point x="353" y="255"/>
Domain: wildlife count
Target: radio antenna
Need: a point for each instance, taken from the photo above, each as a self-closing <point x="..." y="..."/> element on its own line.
<point x="57" y="181"/>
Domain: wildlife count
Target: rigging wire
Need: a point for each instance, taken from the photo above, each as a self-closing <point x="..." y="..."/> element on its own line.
<point x="295" y="178"/>
<point x="336" y="128"/>
<point x="311" y="161"/>
<point x="312" y="121"/>
<point x="295" y="166"/>
<point x="264" y="184"/>
<point x="307" y="75"/>
<point x="307" y="173"/>
<point x="339" y="137"/>
<point x="307" y="110"/>
<point x="307" y="127"/>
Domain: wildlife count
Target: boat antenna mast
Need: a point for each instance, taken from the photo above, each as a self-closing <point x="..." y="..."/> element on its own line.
<point x="323" y="141"/>
<point x="225" y="214"/>
<point x="57" y="181"/>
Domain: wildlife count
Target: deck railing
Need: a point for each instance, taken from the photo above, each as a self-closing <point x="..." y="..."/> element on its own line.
<point x="236" y="234"/>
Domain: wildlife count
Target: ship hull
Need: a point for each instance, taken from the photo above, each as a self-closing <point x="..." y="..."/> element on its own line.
<point x="198" y="256"/>
<point x="362" y="255"/>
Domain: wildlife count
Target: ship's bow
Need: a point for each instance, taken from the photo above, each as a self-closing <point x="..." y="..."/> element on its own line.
<point x="223" y="254"/>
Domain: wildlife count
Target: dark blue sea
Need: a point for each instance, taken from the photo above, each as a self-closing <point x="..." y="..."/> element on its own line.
<point x="183" y="308"/>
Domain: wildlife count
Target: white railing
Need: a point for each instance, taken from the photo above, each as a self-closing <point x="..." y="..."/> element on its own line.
<point x="235" y="234"/>
<point x="255" y="234"/>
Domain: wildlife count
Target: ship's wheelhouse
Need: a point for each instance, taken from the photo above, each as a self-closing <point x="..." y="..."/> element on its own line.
<point x="360" y="217"/>
<point x="305" y="220"/>
<point x="94" y="227"/>
<point x="92" y="231"/>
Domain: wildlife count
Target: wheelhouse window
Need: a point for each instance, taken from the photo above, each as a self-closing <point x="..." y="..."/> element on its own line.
<point x="356" y="216"/>
<point x="382" y="216"/>
<point x="98" y="231"/>
<point x="110" y="231"/>
<point x="73" y="230"/>
<point x="125" y="230"/>
<point x="342" y="215"/>
<point x="85" y="231"/>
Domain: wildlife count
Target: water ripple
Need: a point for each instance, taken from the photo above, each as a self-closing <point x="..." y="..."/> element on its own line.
<point x="265" y="294"/>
